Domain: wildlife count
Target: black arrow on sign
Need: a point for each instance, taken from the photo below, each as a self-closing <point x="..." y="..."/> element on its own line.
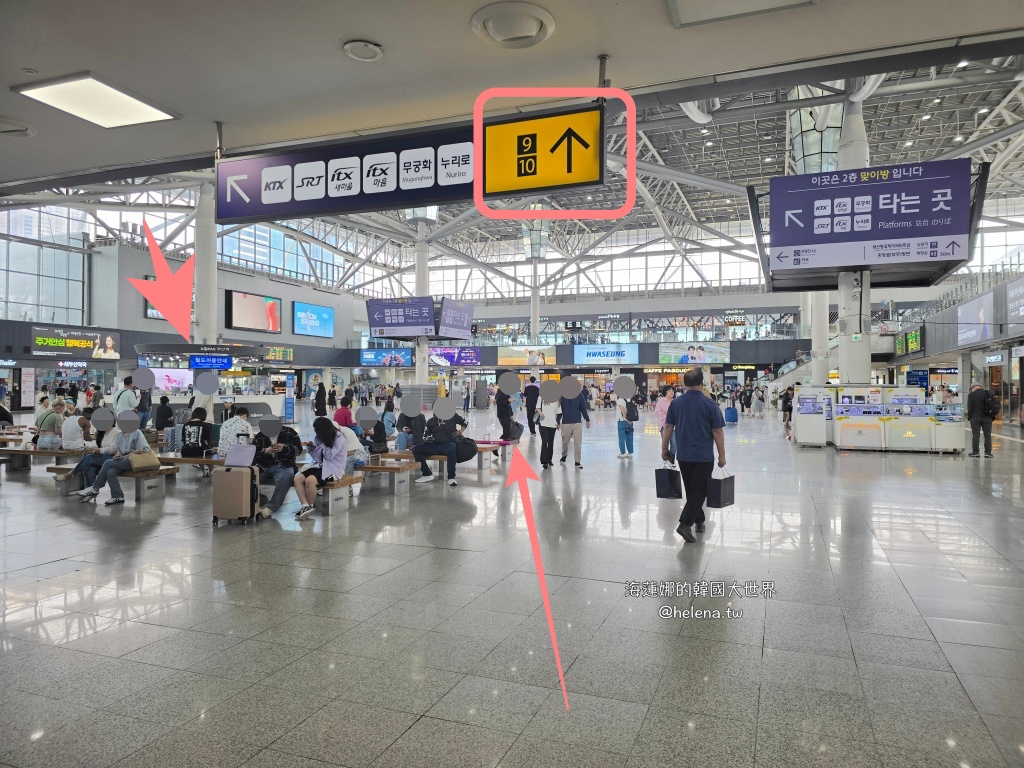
<point x="568" y="137"/>
<point x="953" y="245"/>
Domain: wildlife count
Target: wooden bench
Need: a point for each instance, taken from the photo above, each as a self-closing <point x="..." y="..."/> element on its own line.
<point x="21" y="458"/>
<point x="398" y="475"/>
<point x="336" y="493"/>
<point x="481" y="453"/>
<point x="149" y="484"/>
<point x="174" y="460"/>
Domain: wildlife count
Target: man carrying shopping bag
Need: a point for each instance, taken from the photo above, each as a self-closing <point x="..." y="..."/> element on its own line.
<point x="701" y="430"/>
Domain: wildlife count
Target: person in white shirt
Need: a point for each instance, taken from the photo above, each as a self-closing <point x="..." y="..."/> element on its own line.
<point x="127" y="444"/>
<point x="356" y="451"/>
<point x="235" y="431"/>
<point x="548" y="425"/>
<point x="127" y="398"/>
<point x="75" y="433"/>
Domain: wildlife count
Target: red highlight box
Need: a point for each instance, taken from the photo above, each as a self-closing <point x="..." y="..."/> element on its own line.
<point x="557" y="93"/>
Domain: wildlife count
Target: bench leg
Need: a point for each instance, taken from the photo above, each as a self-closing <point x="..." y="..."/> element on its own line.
<point x="336" y="501"/>
<point x="399" y="483"/>
<point x="60" y="460"/>
<point x="18" y="462"/>
<point x="71" y="485"/>
<point x="149" y="488"/>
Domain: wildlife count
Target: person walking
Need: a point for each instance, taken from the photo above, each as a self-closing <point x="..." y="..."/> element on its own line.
<point x="668" y="394"/>
<point x="465" y="397"/>
<point x="127" y="444"/>
<point x="787" y="408"/>
<point x="624" y="425"/>
<point x="574" y="413"/>
<point x="320" y="401"/>
<point x="397" y="395"/>
<point x="332" y="397"/>
<point x="758" y="403"/>
<point x="701" y="430"/>
<point x="550" y="413"/>
<point x="532" y="393"/>
<point x="982" y="408"/>
<point x="503" y="406"/>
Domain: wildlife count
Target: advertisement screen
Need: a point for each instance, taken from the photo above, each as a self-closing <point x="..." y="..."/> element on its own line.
<point x="312" y="320"/>
<point x="974" y="321"/>
<point x="521" y="356"/>
<point x="901" y="344"/>
<point x="252" y="312"/>
<point x="914" y="341"/>
<point x="454" y="356"/>
<point x="602" y="354"/>
<point x="75" y="342"/>
<point x="399" y="357"/>
<point x="1015" y="305"/>
<point x="154" y="314"/>
<point x="172" y="379"/>
<point x="456" y="320"/>
<point x="683" y="352"/>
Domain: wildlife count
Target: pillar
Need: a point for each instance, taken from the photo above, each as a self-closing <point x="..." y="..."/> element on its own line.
<point x="855" y="327"/>
<point x="819" y="338"/>
<point x="422" y="289"/>
<point x="535" y="305"/>
<point x="206" y="268"/>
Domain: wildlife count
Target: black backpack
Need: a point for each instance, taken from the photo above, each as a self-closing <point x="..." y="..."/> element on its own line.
<point x="631" y="412"/>
<point x="992" y="407"/>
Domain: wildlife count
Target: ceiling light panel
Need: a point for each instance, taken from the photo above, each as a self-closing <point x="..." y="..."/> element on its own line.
<point x="87" y="97"/>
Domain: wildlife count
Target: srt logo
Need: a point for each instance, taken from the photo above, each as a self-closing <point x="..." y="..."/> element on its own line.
<point x="272" y="185"/>
<point x="342" y="174"/>
<point x="310" y="181"/>
<point x="377" y="170"/>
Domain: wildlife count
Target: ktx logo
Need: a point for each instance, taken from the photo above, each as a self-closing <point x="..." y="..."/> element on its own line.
<point x="271" y="186"/>
<point x="276" y="184"/>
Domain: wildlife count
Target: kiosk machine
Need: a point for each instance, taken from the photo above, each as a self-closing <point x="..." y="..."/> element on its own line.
<point x="948" y="430"/>
<point x="908" y="418"/>
<point x="859" y="414"/>
<point x="813" y="416"/>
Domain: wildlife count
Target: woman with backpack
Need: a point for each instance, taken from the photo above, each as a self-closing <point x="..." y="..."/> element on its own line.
<point x="627" y="415"/>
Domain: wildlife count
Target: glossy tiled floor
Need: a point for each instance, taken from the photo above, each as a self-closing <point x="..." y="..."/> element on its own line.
<point x="411" y="633"/>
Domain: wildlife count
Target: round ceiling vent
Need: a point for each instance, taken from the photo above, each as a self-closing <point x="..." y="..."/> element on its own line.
<point x="12" y="129"/>
<point x="513" y="24"/>
<point x="363" y="50"/>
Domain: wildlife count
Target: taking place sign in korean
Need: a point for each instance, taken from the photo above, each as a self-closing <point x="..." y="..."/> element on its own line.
<point x="401" y="318"/>
<point x="871" y="217"/>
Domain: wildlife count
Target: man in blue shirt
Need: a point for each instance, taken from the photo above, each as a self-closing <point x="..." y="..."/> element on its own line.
<point x="701" y="429"/>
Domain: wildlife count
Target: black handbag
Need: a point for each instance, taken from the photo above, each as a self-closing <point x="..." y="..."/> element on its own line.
<point x="668" y="483"/>
<point x="465" y="449"/>
<point x="721" y="491"/>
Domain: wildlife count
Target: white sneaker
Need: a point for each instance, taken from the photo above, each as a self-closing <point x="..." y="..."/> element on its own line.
<point x="621" y="456"/>
<point x="453" y="482"/>
<point x="265" y="512"/>
<point x="61" y="478"/>
<point x="88" y="492"/>
<point x="305" y="512"/>
<point x="425" y="479"/>
<point x="629" y="455"/>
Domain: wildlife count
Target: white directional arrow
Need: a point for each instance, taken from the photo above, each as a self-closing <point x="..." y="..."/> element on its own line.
<point x="376" y="315"/>
<point x="790" y="215"/>
<point x="233" y="184"/>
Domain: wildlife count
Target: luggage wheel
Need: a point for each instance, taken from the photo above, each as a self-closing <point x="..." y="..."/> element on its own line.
<point x="241" y="521"/>
<point x="215" y="521"/>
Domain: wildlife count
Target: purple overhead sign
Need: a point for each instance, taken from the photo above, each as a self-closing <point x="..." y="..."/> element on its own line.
<point x="401" y="318"/>
<point x="456" y="320"/>
<point x="871" y="216"/>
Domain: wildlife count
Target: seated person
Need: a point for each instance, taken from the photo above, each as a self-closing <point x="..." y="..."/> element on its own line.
<point x="196" y="437"/>
<point x="343" y="416"/>
<point x="439" y="437"/>
<point x="390" y="419"/>
<point x="164" y="423"/>
<point x="126" y="444"/>
<point x="94" y="458"/>
<point x="235" y="431"/>
<point x="375" y="440"/>
<point x="48" y="426"/>
<point x="76" y="431"/>
<point x="357" y="453"/>
<point x="6" y="419"/>
<point x="327" y="450"/>
<point x="410" y="431"/>
<point x="276" y="462"/>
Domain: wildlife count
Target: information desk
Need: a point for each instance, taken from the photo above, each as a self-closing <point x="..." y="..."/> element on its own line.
<point x="859" y="426"/>
<point x="274" y="402"/>
<point x="948" y="428"/>
<point x="909" y="427"/>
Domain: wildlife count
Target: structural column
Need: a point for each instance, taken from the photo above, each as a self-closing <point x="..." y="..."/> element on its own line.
<point x="819" y="338"/>
<point x="206" y="267"/>
<point x="535" y="305"/>
<point x="855" y="327"/>
<point x="422" y="289"/>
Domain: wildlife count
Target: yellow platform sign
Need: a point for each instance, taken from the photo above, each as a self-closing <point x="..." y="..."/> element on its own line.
<point x="541" y="153"/>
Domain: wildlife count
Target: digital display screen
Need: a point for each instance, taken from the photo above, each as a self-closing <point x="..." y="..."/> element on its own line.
<point x="172" y="379"/>
<point x="593" y="354"/>
<point x="454" y="356"/>
<point x="974" y="321"/>
<point x="75" y="342"/>
<point x="154" y="314"/>
<point x="312" y="320"/>
<point x="210" y="362"/>
<point x="252" y="312"/>
<point x="699" y="352"/>
<point x="279" y="354"/>
<point x="914" y="341"/>
<point x="399" y="357"/>
<point x="901" y="345"/>
<point x="523" y="356"/>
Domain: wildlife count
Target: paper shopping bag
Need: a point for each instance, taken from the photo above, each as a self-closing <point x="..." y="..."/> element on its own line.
<point x="722" y="491"/>
<point x="668" y="483"/>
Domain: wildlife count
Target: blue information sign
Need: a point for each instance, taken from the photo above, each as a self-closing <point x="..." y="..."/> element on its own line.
<point x="401" y="318"/>
<point x="386" y="172"/>
<point x="871" y="216"/>
<point x="212" y="362"/>
<point x="917" y="379"/>
<point x="289" y="398"/>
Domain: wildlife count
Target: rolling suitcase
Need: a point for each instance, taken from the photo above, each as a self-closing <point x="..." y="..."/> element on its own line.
<point x="235" y="494"/>
<point x="731" y="416"/>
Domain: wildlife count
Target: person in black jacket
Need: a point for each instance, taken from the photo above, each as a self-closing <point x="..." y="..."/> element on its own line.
<point x="981" y="409"/>
<point x="531" y="393"/>
<point x="503" y="405"/>
<point x="320" y="401"/>
<point x="410" y="430"/>
<point x="164" y="424"/>
<point x="197" y="438"/>
<point x="276" y="462"/>
<point x="439" y="438"/>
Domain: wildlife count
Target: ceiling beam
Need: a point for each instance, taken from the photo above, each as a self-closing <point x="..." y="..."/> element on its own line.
<point x="43" y="243"/>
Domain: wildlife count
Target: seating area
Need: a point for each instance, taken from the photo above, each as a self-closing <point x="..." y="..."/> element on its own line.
<point x="149" y="483"/>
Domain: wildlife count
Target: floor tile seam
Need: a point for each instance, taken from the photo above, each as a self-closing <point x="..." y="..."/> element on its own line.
<point x="246" y="683"/>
